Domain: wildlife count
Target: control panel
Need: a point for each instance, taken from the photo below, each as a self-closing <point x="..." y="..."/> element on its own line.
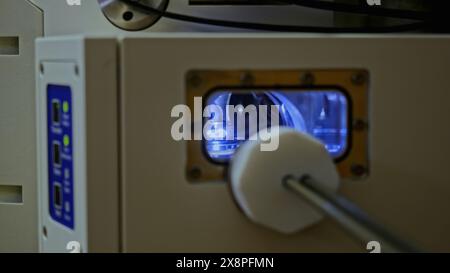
<point x="60" y="155"/>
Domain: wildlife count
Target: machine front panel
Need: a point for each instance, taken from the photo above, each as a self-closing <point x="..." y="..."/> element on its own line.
<point x="405" y="102"/>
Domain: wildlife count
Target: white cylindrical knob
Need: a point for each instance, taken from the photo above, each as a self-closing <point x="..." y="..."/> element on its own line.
<point x="256" y="179"/>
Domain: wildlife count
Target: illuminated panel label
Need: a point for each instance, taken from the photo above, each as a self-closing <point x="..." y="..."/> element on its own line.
<point x="60" y="155"/>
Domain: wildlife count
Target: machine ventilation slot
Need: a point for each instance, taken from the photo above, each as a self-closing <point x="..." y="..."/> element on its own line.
<point x="11" y="194"/>
<point x="9" y="45"/>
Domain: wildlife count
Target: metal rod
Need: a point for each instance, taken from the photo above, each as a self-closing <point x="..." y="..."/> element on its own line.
<point x="346" y="214"/>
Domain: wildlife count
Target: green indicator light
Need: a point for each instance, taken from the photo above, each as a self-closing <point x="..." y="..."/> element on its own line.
<point x="66" y="140"/>
<point x="66" y="107"/>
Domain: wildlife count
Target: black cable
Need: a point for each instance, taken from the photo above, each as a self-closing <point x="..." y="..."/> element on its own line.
<point x="359" y="9"/>
<point x="271" y="27"/>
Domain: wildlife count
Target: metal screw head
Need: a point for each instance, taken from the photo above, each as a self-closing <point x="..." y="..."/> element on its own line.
<point x="194" y="173"/>
<point x="44" y="232"/>
<point x="307" y="79"/>
<point x="247" y="79"/>
<point x="194" y="80"/>
<point x="359" y="78"/>
<point x="360" y="125"/>
<point x="358" y="170"/>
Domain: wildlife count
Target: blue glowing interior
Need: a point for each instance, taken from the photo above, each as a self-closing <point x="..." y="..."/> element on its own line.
<point x="322" y="114"/>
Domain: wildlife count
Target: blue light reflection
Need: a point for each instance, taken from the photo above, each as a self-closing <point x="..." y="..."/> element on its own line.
<point x="322" y="114"/>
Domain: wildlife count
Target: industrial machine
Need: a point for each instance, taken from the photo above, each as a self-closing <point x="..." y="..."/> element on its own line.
<point x="18" y="165"/>
<point x="125" y="151"/>
<point x="132" y="187"/>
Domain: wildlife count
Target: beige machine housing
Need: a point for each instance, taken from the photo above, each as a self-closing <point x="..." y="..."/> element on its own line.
<point x="18" y="178"/>
<point x="159" y="210"/>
